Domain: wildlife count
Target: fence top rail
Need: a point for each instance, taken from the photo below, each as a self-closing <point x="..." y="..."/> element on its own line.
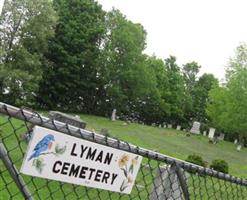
<point x="37" y="119"/>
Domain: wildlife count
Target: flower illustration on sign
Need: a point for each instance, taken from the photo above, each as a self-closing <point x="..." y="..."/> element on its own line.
<point x="127" y="165"/>
<point x="42" y="148"/>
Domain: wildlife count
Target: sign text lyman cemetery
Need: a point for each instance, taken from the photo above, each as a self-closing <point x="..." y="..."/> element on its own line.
<point x="61" y="157"/>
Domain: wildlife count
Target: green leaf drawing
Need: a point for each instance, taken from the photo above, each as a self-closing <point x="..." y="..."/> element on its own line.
<point x="38" y="164"/>
<point x="60" y="149"/>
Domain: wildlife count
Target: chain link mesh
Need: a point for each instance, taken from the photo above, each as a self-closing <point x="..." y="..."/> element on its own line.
<point x="160" y="177"/>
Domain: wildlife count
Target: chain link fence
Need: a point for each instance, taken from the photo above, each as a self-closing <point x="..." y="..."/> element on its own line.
<point x="160" y="177"/>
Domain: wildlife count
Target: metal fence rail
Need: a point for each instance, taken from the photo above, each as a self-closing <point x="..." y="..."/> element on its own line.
<point x="160" y="177"/>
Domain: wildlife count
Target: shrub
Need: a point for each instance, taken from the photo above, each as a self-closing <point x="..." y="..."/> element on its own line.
<point x="204" y="127"/>
<point x="220" y="166"/>
<point x="196" y="159"/>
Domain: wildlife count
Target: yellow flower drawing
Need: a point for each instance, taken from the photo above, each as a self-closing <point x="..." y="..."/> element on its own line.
<point x="134" y="161"/>
<point x="130" y="179"/>
<point x="127" y="165"/>
<point x="123" y="160"/>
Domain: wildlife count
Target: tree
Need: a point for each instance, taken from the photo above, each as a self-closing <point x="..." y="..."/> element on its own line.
<point x="72" y="80"/>
<point x="190" y="71"/>
<point x="216" y="107"/>
<point x="200" y="96"/>
<point x="238" y="61"/>
<point x="175" y="92"/>
<point x="162" y="84"/>
<point x="227" y="105"/>
<point x="127" y="75"/>
<point x="26" y="26"/>
<point x="237" y="99"/>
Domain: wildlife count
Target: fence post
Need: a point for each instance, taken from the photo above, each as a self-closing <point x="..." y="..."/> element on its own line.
<point x="14" y="173"/>
<point x="169" y="184"/>
<point x="182" y="180"/>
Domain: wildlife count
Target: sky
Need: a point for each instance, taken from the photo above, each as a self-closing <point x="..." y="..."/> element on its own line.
<point x="205" y="31"/>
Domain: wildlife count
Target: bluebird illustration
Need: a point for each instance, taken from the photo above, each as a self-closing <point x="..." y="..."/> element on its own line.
<point x="43" y="145"/>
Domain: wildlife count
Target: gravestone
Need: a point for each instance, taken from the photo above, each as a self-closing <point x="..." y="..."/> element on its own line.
<point x="239" y="147"/>
<point x="68" y="119"/>
<point x="164" y="126"/>
<point x="204" y="133"/>
<point x="221" y="137"/>
<point x="125" y="124"/>
<point x="77" y="116"/>
<point x="167" y="185"/>
<point x="178" y="127"/>
<point x="211" y="133"/>
<point x="235" y="141"/>
<point x="169" y="126"/>
<point x="129" y="122"/>
<point x="160" y="126"/>
<point x="195" y="128"/>
<point x="113" y="115"/>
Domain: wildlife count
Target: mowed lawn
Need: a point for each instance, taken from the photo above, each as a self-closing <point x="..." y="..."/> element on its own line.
<point x="173" y="143"/>
<point x="168" y="141"/>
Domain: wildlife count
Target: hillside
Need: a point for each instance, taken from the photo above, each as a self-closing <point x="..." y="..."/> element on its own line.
<point x="172" y="142"/>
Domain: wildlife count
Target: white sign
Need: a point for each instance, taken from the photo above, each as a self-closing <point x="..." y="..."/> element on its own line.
<point x="61" y="157"/>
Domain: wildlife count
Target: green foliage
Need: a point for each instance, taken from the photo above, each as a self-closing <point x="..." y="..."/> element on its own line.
<point x="220" y="165"/>
<point x="190" y="71"/>
<point x="123" y="59"/>
<point x="72" y="80"/>
<point x="238" y="62"/>
<point x="227" y="104"/>
<point x="26" y="27"/>
<point x="175" y="93"/>
<point x="196" y="159"/>
<point x="201" y="96"/>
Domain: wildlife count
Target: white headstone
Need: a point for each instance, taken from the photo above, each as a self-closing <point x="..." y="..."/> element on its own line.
<point x="204" y="133"/>
<point x="1" y="6"/>
<point x="195" y="128"/>
<point x="235" y="141"/>
<point x="113" y="115"/>
<point x="160" y="126"/>
<point x="167" y="185"/>
<point x="211" y="133"/>
<point x="169" y="126"/>
<point x="164" y="126"/>
<point x="239" y="147"/>
<point x="77" y="116"/>
<point x="222" y="136"/>
<point x="178" y="127"/>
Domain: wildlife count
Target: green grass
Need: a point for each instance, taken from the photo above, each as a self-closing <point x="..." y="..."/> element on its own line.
<point x="170" y="142"/>
<point x="173" y="143"/>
